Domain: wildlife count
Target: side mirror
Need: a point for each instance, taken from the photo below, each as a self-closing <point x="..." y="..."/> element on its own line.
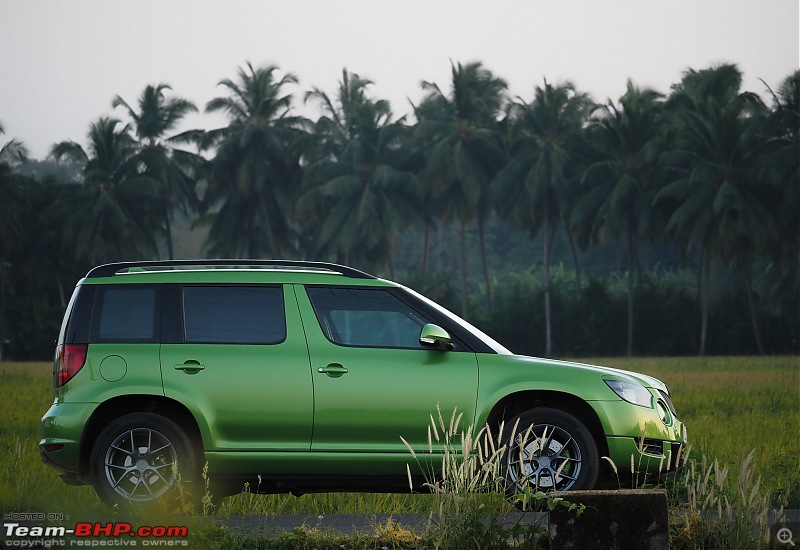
<point x="435" y="337"/>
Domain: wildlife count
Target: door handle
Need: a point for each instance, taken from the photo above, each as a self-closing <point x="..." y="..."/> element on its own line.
<point x="190" y="366"/>
<point x="334" y="370"/>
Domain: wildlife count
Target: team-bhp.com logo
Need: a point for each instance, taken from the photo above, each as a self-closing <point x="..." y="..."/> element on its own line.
<point x="93" y="535"/>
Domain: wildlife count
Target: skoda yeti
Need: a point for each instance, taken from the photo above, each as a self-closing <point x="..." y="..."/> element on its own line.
<point x="306" y="375"/>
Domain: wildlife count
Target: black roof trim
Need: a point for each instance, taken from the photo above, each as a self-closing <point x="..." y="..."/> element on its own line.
<point x="108" y="270"/>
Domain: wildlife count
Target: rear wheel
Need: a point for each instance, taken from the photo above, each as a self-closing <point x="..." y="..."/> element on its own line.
<point x="550" y="450"/>
<point x="141" y="459"/>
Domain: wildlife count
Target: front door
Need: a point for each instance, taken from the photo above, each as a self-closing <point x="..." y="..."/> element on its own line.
<point x="373" y="381"/>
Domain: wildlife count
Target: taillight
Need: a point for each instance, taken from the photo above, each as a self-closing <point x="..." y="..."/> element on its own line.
<point x="71" y="358"/>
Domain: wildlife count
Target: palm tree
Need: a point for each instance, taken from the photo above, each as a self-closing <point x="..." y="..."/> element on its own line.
<point x="12" y="151"/>
<point x="535" y="185"/>
<point x="358" y="192"/>
<point x="111" y="217"/>
<point x="12" y="209"/>
<point x="723" y="194"/>
<point x="255" y="174"/>
<point x="784" y="121"/>
<point x="621" y="183"/>
<point x="468" y="151"/>
<point x="172" y="168"/>
<point x="429" y="209"/>
<point x="12" y="191"/>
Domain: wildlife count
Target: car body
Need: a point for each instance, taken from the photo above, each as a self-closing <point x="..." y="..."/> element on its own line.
<point x="311" y="376"/>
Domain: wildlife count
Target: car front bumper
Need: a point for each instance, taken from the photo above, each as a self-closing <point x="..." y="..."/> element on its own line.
<point x="638" y="440"/>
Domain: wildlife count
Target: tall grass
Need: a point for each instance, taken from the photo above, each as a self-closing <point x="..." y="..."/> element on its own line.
<point x="473" y="507"/>
<point x="27" y="485"/>
<point x="720" y="510"/>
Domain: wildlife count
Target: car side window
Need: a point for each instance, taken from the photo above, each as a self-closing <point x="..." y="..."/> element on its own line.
<point x="124" y="313"/>
<point x="247" y="314"/>
<point x="366" y="317"/>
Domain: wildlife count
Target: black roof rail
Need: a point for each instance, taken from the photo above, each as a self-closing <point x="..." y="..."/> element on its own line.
<point x="107" y="270"/>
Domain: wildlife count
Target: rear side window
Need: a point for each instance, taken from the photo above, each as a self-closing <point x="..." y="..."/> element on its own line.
<point x="373" y="318"/>
<point x="77" y="318"/>
<point x="124" y="313"/>
<point x="234" y="314"/>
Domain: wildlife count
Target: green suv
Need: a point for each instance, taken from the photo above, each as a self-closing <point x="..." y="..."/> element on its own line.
<point x="304" y="376"/>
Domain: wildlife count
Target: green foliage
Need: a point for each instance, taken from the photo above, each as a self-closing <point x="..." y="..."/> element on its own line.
<point x="587" y="322"/>
<point x="358" y="195"/>
<point x="254" y="174"/>
<point x="465" y="150"/>
<point x="36" y="322"/>
<point x="170" y="168"/>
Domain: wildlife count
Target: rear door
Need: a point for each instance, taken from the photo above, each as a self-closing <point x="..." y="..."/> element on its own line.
<point x="242" y="367"/>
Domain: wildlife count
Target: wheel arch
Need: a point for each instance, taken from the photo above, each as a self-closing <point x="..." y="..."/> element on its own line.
<point x="523" y="401"/>
<point x="114" y="408"/>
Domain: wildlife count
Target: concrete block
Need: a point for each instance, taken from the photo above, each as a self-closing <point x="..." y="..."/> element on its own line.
<point x="623" y="519"/>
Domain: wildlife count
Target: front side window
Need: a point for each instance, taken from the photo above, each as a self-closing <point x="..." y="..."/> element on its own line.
<point x="234" y="314"/>
<point x="366" y="317"/>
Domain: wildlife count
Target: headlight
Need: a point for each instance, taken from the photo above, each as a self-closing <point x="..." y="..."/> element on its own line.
<point x="631" y="392"/>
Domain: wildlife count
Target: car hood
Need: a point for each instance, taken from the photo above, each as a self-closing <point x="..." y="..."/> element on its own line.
<point x="619" y="374"/>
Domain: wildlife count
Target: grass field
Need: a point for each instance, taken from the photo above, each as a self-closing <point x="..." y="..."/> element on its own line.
<point x="730" y="405"/>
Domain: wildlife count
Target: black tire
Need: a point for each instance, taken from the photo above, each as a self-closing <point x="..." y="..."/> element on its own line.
<point x="571" y="460"/>
<point x="143" y="460"/>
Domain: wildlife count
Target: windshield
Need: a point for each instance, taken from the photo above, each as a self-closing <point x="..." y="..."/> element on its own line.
<point x="496" y="346"/>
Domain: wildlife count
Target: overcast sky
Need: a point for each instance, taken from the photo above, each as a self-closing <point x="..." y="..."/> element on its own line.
<point x="63" y="61"/>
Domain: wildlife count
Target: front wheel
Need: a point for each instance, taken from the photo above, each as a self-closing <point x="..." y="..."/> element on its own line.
<point x="142" y="458"/>
<point x="550" y="450"/>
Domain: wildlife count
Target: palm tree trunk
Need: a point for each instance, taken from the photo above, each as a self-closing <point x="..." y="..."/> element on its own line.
<point x="425" y="243"/>
<point x="549" y="235"/>
<point x="639" y="269"/>
<point x="168" y="229"/>
<point x="705" y="265"/>
<point x="797" y="268"/>
<point x="390" y="267"/>
<point x="2" y="306"/>
<point x="629" y="350"/>
<point x="574" y="250"/>
<point x="61" y="296"/>
<point x="548" y="333"/>
<point x="462" y="265"/>
<point x="486" y="276"/>
<point x="751" y="302"/>
<point x="273" y="252"/>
